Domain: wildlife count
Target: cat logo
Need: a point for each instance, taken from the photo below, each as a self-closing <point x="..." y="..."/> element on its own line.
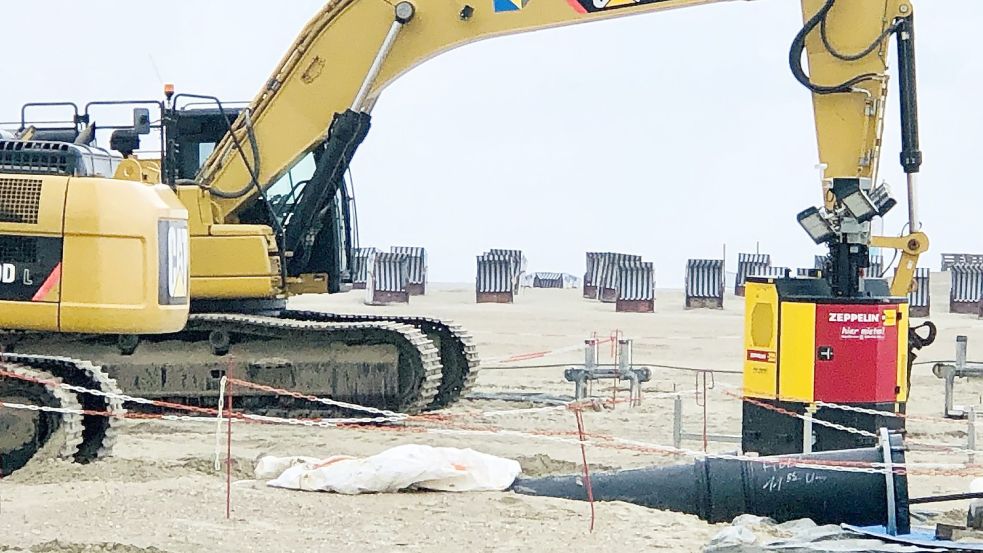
<point x="509" y="5"/>
<point x="591" y="6"/>
<point x="177" y="261"/>
<point x="173" y="265"/>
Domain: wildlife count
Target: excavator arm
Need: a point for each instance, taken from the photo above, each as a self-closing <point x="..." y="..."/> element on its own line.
<point x="847" y="45"/>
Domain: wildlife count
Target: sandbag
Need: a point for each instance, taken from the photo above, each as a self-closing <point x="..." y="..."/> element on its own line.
<point x="398" y="468"/>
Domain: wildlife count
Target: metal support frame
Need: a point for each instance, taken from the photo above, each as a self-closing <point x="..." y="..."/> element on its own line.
<point x="892" y="519"/>
<point x="808" y="437"/>
<point x="624" y="371"/>
<point x="949" y="372"/>
<point x="679" y="435"/>
<point x="971" y="436"/>
<point x="590" y="353"/>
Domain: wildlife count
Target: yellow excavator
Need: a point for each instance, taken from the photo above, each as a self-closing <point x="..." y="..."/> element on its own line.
<point x="155" y="275"/>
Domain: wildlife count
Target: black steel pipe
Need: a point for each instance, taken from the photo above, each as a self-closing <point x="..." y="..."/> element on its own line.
<point x="717" y="490"/>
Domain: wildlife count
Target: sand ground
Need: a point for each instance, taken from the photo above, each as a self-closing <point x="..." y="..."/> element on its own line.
<point x="159" y="492"/>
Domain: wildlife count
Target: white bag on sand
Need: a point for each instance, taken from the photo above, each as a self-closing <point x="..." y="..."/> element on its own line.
<point x="399" y="468"/>
<point x="268" y="466"/>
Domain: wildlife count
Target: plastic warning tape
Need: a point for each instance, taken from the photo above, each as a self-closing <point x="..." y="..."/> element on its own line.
<point x="390" y="416"/>
<point x="621" y="443"/>
<point x="540" y="354"/>
<point x="865" y="411"/>
<point x="387" y="416"/>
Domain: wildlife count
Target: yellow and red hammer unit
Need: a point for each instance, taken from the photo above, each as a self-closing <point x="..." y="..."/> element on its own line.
<point x="805" y="347"/>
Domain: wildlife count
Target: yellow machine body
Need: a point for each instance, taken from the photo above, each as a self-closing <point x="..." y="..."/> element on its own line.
<point x="290" y="115"/>
<point x="92" y="255"/>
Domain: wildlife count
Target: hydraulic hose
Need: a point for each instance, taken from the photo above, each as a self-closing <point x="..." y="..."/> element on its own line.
<point x="798" y="48"/>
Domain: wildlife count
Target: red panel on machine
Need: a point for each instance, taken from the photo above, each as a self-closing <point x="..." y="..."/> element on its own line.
<point x="856" y="353"/>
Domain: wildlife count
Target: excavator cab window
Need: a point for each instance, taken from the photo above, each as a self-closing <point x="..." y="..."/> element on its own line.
<point x="205" y="149"/>
<point x="285" y="191"/>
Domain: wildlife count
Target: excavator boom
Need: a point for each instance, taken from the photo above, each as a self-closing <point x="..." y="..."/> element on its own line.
<point x="311" y="85"/>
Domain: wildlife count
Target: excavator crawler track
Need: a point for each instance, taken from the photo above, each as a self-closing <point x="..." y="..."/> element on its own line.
<point x="381" y="364"/>
<point x="69" y="434"/>
<point x="419" y="368"/>
<point x="458" y="353"/>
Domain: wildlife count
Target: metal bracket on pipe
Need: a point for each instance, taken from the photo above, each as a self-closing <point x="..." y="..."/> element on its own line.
<point x="892" y="519"/>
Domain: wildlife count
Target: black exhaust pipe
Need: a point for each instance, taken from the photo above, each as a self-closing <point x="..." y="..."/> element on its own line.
<point x="717" y="490"/>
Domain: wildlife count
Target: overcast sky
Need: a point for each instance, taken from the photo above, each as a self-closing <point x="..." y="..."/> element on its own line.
<point x="665" y="134"/>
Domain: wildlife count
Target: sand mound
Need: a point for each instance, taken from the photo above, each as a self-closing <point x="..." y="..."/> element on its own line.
<point x="544" y="465"/>
<point x="53" y="471"/>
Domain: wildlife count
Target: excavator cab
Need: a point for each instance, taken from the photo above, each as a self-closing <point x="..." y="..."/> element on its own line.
<point x="319" y="262"/>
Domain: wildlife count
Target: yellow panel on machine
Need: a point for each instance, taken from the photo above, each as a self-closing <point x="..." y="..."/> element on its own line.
<point x="804" y="345"/>
<point x="229" y="261"/>
<point x="778" y="334"/>
<point x="761" y="340"/>
<point x="114" y="261"/>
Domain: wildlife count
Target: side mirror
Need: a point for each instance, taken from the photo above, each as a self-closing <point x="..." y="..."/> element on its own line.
<point x="141" y="120"/>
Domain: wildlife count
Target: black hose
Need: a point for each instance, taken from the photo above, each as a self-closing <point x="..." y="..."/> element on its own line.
<point x="717" y="490"/>
<point x="353" y="220"/>
<point x="859" y="55"/>
<point x="798" y="47"/>
<point x="253" y="171"/>
<point x="254" y="178"/>
<point x="253" y="143"/>
<point x="942" y="498"/>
